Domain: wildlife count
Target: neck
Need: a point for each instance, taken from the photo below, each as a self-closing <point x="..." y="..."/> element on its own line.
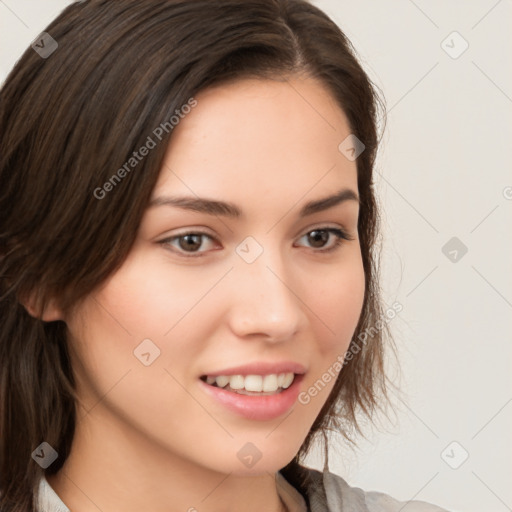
<point x="113" y="470"/>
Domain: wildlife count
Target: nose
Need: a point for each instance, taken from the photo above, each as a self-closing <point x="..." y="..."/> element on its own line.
<point x="264" y="301"/>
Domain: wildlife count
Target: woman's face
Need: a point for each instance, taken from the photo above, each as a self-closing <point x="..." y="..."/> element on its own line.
<point x="267" y="286"/>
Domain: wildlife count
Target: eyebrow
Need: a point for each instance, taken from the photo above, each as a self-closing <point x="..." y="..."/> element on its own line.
<point x="227" y="209"/>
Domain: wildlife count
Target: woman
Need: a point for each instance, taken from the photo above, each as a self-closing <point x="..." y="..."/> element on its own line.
<point x="187" y="260"/>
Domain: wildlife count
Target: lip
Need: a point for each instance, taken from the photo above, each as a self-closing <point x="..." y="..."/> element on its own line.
<point x="261" y="368"/>
<point x="260" y="408"/>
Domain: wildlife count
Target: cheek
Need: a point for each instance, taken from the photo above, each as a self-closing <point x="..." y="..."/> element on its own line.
<point x="337" y="305"/>
<point x="105" y="335"/>
<point x="153" y="299"/>
<point x="109" y="331"/>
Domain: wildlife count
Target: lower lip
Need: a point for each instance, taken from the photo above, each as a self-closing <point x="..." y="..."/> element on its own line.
<point x="253" y="407"/>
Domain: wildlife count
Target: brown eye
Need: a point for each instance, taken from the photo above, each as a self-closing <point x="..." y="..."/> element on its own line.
<point x="188" y="243"/>
<point x="317" y="238"/>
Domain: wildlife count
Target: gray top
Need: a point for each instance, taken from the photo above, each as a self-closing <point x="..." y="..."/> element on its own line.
<point x="328" y="493"/>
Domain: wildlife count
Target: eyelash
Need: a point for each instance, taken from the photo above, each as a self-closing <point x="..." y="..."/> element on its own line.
<point x="339" y="233"/>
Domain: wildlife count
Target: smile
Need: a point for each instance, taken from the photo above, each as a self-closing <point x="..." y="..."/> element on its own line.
<point x="254" y="405"/>
<point x="251" y="384"/>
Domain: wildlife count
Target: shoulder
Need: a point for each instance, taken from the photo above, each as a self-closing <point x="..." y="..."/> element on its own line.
<point x="329" y="492"/>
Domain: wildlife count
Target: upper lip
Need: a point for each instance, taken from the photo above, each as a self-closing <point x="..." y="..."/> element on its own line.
<point x="260" y="368"/>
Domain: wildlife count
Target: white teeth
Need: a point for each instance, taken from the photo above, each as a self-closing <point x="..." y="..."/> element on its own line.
<point x="287" y="380"/>
<point x="269" y="383"/>
<point x="236" y="382"/>
<point x="222" y="381"/>
<point x="257" y="383"/>
<point x="253" y="383"/>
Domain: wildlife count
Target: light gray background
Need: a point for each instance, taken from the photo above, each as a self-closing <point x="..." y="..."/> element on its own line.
<point x="443" y="172"/>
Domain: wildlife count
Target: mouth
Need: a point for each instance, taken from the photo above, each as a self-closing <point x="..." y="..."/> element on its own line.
<point x="255" y="397"/>
<point x="252" y="385"/>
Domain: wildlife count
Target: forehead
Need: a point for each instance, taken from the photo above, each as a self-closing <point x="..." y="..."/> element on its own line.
<point x="260" y="136"/>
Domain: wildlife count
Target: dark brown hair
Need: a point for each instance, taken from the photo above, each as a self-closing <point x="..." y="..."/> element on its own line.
<point x="71" y="118"/>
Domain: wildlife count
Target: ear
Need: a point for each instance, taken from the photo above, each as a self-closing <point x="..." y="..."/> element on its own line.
<point x="50" y="313"/>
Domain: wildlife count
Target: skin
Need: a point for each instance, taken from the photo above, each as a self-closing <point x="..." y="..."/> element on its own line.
<point x="148" y="437"/>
